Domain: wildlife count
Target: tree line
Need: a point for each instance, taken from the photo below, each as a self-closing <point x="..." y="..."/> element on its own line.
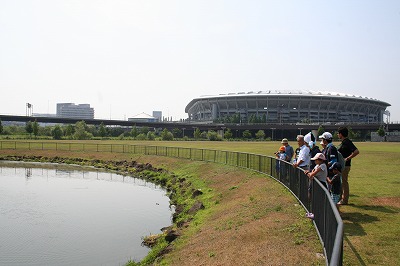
<point x="81" y="131"/>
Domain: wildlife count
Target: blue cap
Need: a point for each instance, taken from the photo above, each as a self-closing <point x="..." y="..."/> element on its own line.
<point x="336" y="166"/>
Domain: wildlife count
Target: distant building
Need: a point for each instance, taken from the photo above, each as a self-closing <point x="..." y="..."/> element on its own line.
<point x="157" y="115"/>
<point x="143" y="117"/>
<point x="282" y="106"/>
<point x="71" y="110"/>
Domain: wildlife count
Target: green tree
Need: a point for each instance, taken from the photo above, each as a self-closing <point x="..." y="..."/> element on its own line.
<point x="57" y="132"/>
<point x="134" y="132"/>
<point x="381" y="131"/>
<point x="213" y="135"/>
<point x="166" y="135"/>
<point x="151" y="135"/>
<point x="29" y="128"/>
<point x="260" y="134"/>
<point x="1" y="127"/>
<point x="144" y="130"/>
<point x="228" y="134"/>
<point x="69" y="131"/>
<point x="102" y="130"/>
<point x="35" y="128"/>
<point x="177" y="133"/>
<point x="80" y="131"/>
<point x="141" y="136"/>
<point x="197" y="133"/>
<point x="247" y="134"/>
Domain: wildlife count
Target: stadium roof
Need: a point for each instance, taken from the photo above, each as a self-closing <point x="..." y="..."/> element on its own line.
<point x="288" y="93"/>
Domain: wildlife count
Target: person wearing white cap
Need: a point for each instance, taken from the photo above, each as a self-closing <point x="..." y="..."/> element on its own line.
<point x="314" y="149"/>
<point x="303" y="160"/>
<point x="329" y="150"/>
<point x="320" y="170"/>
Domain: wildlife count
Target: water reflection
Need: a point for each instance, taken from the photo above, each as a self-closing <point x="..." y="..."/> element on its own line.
<point x="62" y="216"/>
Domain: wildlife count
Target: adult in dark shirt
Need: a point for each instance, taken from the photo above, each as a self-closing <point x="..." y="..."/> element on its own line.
<point x="349" y="151"/>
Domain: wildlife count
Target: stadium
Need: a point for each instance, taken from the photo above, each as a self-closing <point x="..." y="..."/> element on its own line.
<point x="278" y="106"/>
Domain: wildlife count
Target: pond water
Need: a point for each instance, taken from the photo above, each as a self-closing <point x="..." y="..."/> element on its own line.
<point x="57" y="215"/>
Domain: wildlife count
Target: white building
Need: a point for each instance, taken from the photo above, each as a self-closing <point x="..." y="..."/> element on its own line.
<point x="143" y="117"/>
<point x="71" y="110"/>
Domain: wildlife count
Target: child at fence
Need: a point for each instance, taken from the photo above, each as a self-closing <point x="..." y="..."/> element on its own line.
<point x="336" y="182"/>
<point x="280" y="162"/>
<point x="320" y="170"/>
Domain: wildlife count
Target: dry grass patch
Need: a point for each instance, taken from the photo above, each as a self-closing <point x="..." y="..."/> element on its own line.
<point x="254" y="222"/>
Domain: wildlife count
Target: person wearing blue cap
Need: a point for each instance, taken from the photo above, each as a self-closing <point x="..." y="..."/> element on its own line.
<point x="335" y="182"/>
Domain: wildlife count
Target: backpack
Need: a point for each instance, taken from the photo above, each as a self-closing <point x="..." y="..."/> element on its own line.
<point x="340" y="159"/>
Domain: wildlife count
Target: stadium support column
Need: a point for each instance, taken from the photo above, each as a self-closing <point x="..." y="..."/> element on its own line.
<point x="214" y="111"/>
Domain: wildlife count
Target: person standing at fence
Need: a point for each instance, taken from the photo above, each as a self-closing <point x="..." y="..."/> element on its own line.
<point x="303" y="160"/>
<point x="335" y="182"/>
<point x="314" y="149"/>
<point x="320" y="170"/>
<point x="349" y="151"/>
<point x="280" y="162"/>
<point x="329" y="150"/>
<point x="288" y="149"/>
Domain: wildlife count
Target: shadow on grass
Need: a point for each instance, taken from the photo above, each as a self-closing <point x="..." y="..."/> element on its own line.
<point x="375" y="208"/>
<point x="353" y="222"/>
<point x="353" y="226"/>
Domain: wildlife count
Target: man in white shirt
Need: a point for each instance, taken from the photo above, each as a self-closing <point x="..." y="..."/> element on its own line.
<point x="303" y="161"/>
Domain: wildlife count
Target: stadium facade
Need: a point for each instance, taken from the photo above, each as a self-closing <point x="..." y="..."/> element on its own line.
<point x="278" y="106"/>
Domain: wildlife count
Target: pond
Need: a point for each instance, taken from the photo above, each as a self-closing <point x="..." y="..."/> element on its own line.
<point x="58" y="215"/>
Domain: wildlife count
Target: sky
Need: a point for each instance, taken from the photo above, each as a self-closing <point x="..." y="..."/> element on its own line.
<point x="125" y="57"/>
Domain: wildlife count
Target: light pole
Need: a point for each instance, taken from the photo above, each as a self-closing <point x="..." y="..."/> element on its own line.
<point x="300" y="128"/>
<point x="29" y="109"/>
<point x="183" y="134"/>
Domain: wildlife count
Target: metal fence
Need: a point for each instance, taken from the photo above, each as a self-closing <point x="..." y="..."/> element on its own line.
<point x="327" y="219"/>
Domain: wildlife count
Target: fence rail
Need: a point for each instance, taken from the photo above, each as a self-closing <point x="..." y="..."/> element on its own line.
<point x="327" y="220"/>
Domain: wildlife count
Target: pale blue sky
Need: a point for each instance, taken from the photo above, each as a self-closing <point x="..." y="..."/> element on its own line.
<point x="128" y="57"/>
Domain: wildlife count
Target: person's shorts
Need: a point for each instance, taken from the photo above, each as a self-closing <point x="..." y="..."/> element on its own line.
<point x="335" y="198"/>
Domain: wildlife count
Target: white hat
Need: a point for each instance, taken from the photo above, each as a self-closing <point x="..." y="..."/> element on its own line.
<point x="307" y="138"/>
<point x="326" y="135"/>
<point x="318" y="156"/>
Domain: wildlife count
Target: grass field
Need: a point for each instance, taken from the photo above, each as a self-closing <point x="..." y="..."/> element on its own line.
<point x="372" y="220"/>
